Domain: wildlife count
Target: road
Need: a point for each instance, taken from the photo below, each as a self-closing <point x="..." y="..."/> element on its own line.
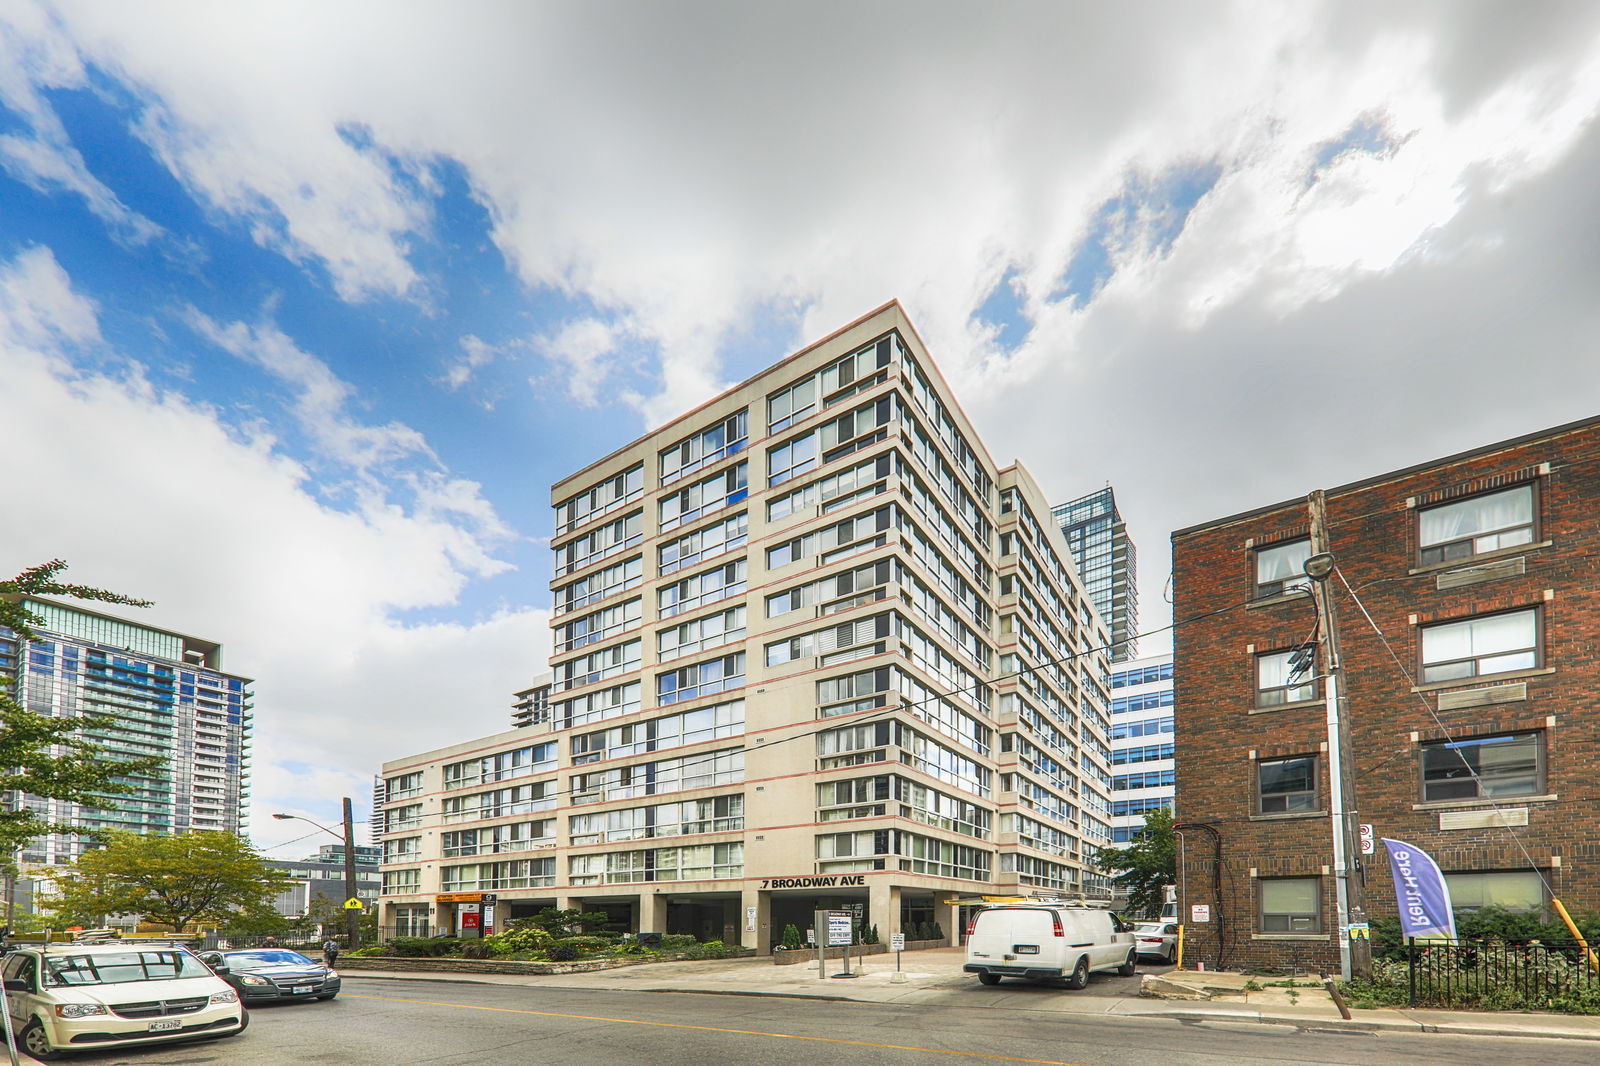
<point x="407" y="1023"/>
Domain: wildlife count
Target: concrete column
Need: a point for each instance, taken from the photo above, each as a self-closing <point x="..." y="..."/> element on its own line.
<point x="652" y="912"/>
<point x="948" y="915"/>
<point x="761" y="936"/>
<point x="883" y="908"/>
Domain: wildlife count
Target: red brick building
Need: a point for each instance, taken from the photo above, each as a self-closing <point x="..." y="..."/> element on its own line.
<point x="1474" y="717"/>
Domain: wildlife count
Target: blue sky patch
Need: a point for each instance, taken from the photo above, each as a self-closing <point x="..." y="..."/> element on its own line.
<point x="1003" y="309"/>
<point x="1368" y="134"/>
<point x="1144" y="220"/>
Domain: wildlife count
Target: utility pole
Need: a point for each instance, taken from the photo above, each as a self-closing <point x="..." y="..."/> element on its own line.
<point x="352" y="918"/>
<point x="1355" y="955"/>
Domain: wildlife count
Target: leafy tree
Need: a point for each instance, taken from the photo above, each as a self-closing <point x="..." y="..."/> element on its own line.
<point x="170" y="880"/>
<point x="1147" y="865"/>
<point x="43" y="755"/>
<point x="329" y="913"/>
<point x="258" y="921"/>
<point x="568" y="922"/>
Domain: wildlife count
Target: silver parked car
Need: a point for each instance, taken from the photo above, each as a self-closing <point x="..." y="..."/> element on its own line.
<point x="1158" y="940"/>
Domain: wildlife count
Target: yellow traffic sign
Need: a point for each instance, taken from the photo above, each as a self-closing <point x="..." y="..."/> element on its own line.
<point x="353" y="904"/>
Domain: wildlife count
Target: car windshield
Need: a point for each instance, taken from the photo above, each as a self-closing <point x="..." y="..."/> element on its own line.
<point x="243" y="960"/>
<point x="118" y="967"/>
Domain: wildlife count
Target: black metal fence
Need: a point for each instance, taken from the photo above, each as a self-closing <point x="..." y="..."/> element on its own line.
<point x="1502" y="975"/>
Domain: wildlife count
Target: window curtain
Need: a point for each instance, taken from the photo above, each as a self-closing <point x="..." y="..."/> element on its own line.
<point x="1457" y="521"/>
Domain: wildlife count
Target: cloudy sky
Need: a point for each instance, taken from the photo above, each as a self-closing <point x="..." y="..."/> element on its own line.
<point x="304" y="306"/>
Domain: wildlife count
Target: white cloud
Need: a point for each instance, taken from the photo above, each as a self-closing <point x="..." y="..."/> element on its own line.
<point x="682" y="167"/>
<point x="585" y="348"/>
<point x="475" y="355"/>
<point x="675" y="169"/>
<point x="38" y="307"/>
<point x="35" y="57"/>
<point x="228" y="536"/>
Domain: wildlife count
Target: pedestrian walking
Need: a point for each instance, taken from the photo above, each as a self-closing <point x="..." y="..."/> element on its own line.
<point x="330" y="952"/>
<point x="272" y="942"/>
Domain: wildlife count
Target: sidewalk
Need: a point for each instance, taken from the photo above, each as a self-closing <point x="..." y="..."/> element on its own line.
<point x="935" y="978"/>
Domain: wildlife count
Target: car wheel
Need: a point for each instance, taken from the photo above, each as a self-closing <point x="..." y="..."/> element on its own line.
<point x="988" y="978"/>
<point x="1080" y="974"/>
<point x="36" y="1042"/>
<point x="1129" y="966"/>
<point x="1172" y="955"/>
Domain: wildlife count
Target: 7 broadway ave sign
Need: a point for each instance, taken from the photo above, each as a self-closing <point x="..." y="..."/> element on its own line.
<point x="830" y="881"/>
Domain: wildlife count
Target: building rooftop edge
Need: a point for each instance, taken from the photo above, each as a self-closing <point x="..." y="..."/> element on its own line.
<point x="893" y="304"/>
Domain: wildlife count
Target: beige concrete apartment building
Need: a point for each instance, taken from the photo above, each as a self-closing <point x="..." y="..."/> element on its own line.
<point x="812" y="649"/>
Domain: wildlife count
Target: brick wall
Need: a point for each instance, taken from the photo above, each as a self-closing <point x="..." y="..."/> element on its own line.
<point x="1374" y="534"/>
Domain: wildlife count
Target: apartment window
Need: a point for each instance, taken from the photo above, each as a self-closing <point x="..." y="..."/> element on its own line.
<point x="398" y="881"/>
<point x="704" y="448"/>
<point x="723" y="627"/>
<point x="1474" y="647"/>
<point x="1287" y="785"/>
<point x="1290" y="905"/>
<point x="703" y="497"/>
<point x="401" y="818"/>
<point x="706" y="587"/>
<point x="403" y="786"/>
<point x="596" y="501"/>
<point x="1476" y="525"/>
<point x="704" y="543"/>
<point x="1273" y="684"/>
<point x="411" y="920"/>
<point x="790" y="458"/>
<point x="1512" y="890"/>
<point x="406" y="849"/>
<point x="1281" y="568"/>
<point x="1510" y="765"/>
<point x="701" y="679"/>
<point x="790" y="405"/>
<point x="597" y="586"/>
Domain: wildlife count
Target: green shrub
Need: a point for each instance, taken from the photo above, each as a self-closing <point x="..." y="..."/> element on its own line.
<point x="476" y="949"/>
<point x="791" y="936"/>
<point x="937" y="930"/>
<point x="711" y="949"/>
<point x="563" y="953"/>
<point x="678" y="942"/>
<point x="423" y="946"/>
<point x="521" y="937"/>
<point x="871" y="935"/>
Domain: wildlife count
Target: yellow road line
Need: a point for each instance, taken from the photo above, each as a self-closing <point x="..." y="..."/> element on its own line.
<point x="713" y="1029"/>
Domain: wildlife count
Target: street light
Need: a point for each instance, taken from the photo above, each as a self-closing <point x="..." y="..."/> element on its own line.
<point x="352" y="917"/>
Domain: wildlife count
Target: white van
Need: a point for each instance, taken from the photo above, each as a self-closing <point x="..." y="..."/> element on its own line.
<point x="1048" y="942"/>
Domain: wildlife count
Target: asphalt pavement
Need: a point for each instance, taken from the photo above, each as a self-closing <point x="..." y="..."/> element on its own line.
<point x="929" y="977"/>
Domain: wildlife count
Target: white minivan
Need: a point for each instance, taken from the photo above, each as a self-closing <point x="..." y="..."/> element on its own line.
<point x="1048" y="942"/>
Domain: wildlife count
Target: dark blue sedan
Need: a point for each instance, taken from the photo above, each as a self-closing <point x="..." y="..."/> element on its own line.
<point x="270" y="975"/>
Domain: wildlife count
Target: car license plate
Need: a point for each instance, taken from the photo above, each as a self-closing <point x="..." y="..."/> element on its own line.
<point x="166" y="1025"/>
<point x="297" y="989"/>
<point x="1027" y="949"/>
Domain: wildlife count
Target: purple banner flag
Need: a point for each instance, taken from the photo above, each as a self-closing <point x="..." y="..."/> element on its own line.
<point x="1421" y="891"/>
